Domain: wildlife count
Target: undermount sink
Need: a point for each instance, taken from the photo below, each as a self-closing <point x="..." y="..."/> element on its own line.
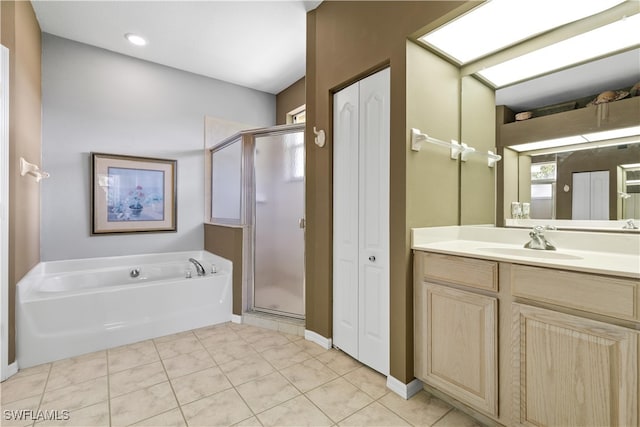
<point x="530" y="253"/>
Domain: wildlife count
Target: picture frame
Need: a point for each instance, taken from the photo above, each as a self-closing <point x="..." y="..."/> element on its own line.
<point x="131" y="194"/>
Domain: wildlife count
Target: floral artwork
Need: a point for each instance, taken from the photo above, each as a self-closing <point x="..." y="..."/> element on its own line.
<point x="132" y="194"/>
<point x="129" y="200"/>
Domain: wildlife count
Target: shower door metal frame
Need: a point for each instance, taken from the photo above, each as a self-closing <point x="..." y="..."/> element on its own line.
<point x="5" y="369"/>
<point x="251" y="207"/>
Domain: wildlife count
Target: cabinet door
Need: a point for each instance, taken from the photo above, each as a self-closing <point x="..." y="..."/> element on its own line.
<point x="461" y="345"/>
<point x="571" y="371"/>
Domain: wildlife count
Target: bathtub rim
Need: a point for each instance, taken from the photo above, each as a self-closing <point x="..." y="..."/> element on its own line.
<point x="26" y="293"/>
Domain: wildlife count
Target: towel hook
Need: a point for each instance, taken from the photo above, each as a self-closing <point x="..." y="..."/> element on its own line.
<point x="33" y="170"/>
<point x="320" y="138"/>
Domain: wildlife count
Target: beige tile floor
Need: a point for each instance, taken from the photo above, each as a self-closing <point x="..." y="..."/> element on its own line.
<point x="222" y="375"/>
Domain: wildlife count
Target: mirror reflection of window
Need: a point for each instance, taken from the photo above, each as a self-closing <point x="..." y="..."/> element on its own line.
<point x="630" y="191"/>
<point x="543" y="189"/>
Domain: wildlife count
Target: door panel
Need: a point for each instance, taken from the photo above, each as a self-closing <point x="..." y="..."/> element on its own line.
<point x="279" y="239"/>
<point x="590" y="195"/>
<point x="581" y="196"/>
<point x="600" y="195"/>
<point x="374" y="221"/>
<point x="462" y="345"/>
<point x="361" y="221"/>
<point x="345" y="223"/>
<point x="572" y="371"/>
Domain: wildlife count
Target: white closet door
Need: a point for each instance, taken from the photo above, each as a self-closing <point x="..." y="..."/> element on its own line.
<point x="590" y="196"/>
<point x="345" y="220"/>
<point x="374" y="222"/>
<point x="581" y="196"/>
<point x="361" y="220"/>
<point x="599" y="208"/>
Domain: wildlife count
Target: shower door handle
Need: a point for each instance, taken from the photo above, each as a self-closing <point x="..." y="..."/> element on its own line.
<point x="302" y="223"/>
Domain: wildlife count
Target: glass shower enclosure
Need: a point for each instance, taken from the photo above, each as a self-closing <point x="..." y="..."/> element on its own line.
<point x="258" y="182"/>
<point x="279" y="223"/>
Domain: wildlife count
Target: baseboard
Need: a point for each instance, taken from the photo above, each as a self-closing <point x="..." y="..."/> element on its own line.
<point x="317" y="338"/>
<point x="404" y="390"/>
<point x="12" y="369"/>
<point x="236" y="319"/>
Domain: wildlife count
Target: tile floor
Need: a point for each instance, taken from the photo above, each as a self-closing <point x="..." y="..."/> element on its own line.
<point x="222" y="375"/>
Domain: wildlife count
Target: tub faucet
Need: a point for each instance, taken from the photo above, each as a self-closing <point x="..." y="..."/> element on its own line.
<point x="630" y="225"/>
<point x="538" y="241"/>
<point x="198" y="266"/>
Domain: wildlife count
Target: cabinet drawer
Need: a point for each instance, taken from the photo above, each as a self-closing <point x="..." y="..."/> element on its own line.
<point x="598" y="294"/>
<point x="470" y="272"/>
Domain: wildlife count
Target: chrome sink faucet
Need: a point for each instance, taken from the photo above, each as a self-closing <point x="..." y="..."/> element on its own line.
<point x="538" y="241"/>
<point x="198" y="266"/>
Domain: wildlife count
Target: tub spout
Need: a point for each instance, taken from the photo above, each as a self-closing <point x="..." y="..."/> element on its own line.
<point x="198" y="266"/>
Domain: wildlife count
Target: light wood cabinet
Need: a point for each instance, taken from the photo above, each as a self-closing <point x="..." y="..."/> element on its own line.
<point x="456" y="330"/>
<point x="572" y="371"/>
<point x="528" y="346"/>
<point x="461" y="345"/>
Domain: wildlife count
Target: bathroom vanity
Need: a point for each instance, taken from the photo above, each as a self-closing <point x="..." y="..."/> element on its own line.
<point x="529" y="337"/>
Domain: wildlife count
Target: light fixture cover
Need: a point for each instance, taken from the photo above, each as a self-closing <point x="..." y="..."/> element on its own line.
<point x="610" y="38"/>
<point x="497" y="24"/>
<point x="609" y="135"/>
<point x="135" y="39"/>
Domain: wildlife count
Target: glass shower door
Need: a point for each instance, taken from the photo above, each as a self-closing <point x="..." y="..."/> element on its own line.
<point x="279" y="224"/>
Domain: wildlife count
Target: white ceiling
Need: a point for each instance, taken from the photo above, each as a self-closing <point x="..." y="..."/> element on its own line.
<point x="261" y="44"/>
<point x="256" y="44"/>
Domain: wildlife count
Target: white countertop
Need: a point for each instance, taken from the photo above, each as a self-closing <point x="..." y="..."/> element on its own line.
<point x="601" y="253"/>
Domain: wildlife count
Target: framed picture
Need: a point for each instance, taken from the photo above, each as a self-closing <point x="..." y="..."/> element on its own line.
<point x="132" y="194"/>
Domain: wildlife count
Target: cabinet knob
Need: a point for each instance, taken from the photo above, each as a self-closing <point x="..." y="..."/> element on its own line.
<point x="372" y="258"/>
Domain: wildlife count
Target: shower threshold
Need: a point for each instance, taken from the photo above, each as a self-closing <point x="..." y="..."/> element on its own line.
<point x="284" y="324"/>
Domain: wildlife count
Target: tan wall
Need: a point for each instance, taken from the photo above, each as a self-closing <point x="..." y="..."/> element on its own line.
<point x="289" y="99"/>
<point x="477" y="129"/>
<point x="21" y="35"/>
<point x="509" y="188"/>
<point x="433" y="106"/>
<point x="345" y="42"/>
<point x="227" y="243"/>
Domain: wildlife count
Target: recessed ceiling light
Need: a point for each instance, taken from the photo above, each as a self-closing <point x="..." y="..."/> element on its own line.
<point x="135" y="39"/>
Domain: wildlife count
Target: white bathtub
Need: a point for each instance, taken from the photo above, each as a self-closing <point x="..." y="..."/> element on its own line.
<point x="68" y="308"/>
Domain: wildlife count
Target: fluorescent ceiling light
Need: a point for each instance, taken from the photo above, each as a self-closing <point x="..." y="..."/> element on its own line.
<point x="631" y="166"/>
<point x="579" y="139"/>
<point x="612" y="134"/>
<point x="633" y="182"/>
<point x="497" y="24"/>
<point x="135" y="39"/>
<point x="549" y="143"/>
<point x="617" y="36"/>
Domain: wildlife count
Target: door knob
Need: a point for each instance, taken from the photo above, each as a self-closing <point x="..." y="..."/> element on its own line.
<point x="372" y="258"/>
<point x="302" y="223"/>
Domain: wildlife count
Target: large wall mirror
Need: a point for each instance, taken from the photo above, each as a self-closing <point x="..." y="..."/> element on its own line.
<point x="562" y="154"/>
<point x="577" y="165"/>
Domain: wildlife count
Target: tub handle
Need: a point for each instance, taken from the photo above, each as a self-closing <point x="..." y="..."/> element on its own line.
<point x="134" y="273"/>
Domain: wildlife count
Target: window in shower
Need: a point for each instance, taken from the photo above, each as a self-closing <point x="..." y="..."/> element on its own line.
<point x="226" y="182"/>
